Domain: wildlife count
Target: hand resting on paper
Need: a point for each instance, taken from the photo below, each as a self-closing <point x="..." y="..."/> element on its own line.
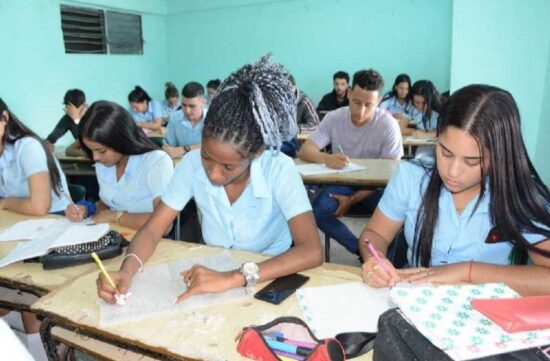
<point x="336" y="161"/>
<point x="200" y="279"/>
<point x="106" y="292"/>
<point x="74" y="214"/>
<point x="376" y="277"/>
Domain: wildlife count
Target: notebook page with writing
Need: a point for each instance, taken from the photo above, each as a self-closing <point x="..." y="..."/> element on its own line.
<point x="319" y="169"/>
<point x="346" y="307"/>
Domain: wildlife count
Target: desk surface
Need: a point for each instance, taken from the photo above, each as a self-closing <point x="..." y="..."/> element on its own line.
<point x="377" y="173"/>
<point x="409" y="140"/>
<point x="206" y="333"/>
<point x="31" y="277"/>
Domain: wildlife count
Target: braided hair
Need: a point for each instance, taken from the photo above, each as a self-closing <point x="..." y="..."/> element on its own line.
<point x="254" y="108"/>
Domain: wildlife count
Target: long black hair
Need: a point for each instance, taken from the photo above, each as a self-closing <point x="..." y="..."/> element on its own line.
<point x="111" y="125"/>
<point x="15" y="130"/>
<point x="401" y="78"/>
<point x="519" y="199"/>
<point x="426" y="89"/>
<point x="253" y="108"/>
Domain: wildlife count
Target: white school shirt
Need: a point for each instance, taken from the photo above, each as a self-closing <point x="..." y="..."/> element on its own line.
<point x="258" y="220"/>
<point x="21" y="160"/>
<point x="145" y="178"/>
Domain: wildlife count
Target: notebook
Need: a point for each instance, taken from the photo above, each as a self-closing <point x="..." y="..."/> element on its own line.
<point x="310" y="169"/>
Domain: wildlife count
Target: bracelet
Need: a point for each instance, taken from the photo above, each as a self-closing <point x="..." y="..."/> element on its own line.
<point x="118" y="215"/>
<point x="137" y="258"/>
<point x="470" y="271"/>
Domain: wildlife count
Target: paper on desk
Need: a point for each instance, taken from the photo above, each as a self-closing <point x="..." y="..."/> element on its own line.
<point x="154" y="289"/>
<point x="346" y="307"/>
<point x="318" y="169"/>
<point x="26" y="230"/>
<point x="60" y="232"/>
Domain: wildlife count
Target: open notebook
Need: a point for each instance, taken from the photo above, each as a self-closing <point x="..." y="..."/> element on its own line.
<point x="319" y="169"/>
<point x="41" y="235"/>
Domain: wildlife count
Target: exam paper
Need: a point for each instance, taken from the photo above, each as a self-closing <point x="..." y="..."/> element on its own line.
<point x="318" y="169"/>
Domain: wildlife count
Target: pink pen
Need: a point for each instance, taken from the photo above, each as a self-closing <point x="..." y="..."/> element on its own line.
<point x="376" y="256"/>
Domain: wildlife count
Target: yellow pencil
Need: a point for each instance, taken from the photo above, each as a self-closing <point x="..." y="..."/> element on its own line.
<point x="102" y="269"/>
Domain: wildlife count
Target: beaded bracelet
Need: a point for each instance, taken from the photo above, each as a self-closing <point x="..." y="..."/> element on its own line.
<point x="137" y="258"/>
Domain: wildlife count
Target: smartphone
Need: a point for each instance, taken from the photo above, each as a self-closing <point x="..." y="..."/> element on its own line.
<point x="279" y="289"/>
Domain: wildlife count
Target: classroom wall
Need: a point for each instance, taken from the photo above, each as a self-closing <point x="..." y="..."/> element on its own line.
<point x="506" y="43"/>
<point x="36" y="72"/>
<point x="313" y="38"/>
<point x="542" y="153"/>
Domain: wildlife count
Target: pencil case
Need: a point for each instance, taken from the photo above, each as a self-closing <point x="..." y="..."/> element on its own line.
<point x="287" y="339"/>
<point x="516" y="314"/>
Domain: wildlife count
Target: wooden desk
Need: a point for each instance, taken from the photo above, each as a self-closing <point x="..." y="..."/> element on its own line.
<point x="410" y="142"/>
<point x="377" y="173"/>
<point x="31" y="278"/>
<point x="181" y="335"/>
<point x="75" y="166"/>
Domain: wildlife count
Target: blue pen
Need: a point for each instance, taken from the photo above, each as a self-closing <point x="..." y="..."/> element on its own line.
<point x="281" y="346"/>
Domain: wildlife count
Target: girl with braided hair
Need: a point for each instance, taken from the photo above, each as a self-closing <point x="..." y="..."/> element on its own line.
<point x="250" y="195"/>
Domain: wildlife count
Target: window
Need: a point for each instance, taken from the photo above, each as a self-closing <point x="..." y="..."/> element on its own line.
<point x="95" y="31"/>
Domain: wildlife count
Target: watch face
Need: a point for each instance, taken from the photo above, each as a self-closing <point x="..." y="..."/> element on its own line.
<point x="250" y="268"/>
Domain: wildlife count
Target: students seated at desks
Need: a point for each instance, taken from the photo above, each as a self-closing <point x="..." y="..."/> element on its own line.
<point x="424" y="113"/>
<point x="131" y="170"/>
<point x="31" y="183"/>
<point x="306" y="118"/>
<point x="480" y="214"/>
<point x="338" y="97"/>
<point x="75" y="107"/>
<point x="171" y="102"/>
<point x="146" y="112"/>
<point x="184" y="130"/>
<point x="397" y="101"/>
<point x="211" y="88"/>
<point x="236" y="184"/>
<point x="361" y="130"/>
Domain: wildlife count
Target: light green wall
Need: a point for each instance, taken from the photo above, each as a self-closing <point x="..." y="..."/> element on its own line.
<point x="542" y="154"/>
<point x="313" y="38"/>
<point x="36" y="72"/>
<point x="506" y="43"/>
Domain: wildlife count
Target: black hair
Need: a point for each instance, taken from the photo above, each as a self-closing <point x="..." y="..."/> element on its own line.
<point x="254" y="108"/>
<point x="518" y="198"/>
<point x="15" y="130"/>
<point x="368" y="79"/>
<point x="193" y="90"/>
<point x="214" y="84"/>
<point x="138" y="95"/>
<point x="401" y="78"/>
<point x="111" y="125"/>
<point x="341" y="75"/>
<point x="170" y="91"/>
<point x="75" y="97"/>
<point x="427" y="90"/>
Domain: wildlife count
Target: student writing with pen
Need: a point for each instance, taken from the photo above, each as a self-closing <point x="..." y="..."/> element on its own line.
<point x="235" y="179"/>
<point x="360" y="130"/>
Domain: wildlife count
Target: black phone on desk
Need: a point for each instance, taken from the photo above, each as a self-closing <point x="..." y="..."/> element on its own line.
<point x="280" y="288"/>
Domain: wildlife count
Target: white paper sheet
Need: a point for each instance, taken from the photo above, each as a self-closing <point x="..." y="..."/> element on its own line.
<point x="154" y="289"/>
<point x="318" y="169"/>
<point x="346" y="307"/>
<point x="26" y="230"/>
<point x="48" y="235"/>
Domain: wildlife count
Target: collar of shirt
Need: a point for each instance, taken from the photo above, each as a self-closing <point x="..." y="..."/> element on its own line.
<point x="7" y="156"/>
<point x="182" y="118"/>
<point x="131" y="167"/>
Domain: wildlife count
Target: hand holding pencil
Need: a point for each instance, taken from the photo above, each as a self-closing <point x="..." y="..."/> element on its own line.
<point x="378" y="271"/>
<point x="110" y="285"/>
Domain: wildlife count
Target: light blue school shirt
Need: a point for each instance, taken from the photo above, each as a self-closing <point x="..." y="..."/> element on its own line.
<point x="180" y="132"/>
<point x="457" y="238"/>
<point x="416" y="115"/>
<point x="167" y="110"/>
<point x="154" y="111"/>
<point x="258" y="220"/>
<point x="21" y="160"/>
<point x="393" y="106"/>
<point x="144" y="179"/>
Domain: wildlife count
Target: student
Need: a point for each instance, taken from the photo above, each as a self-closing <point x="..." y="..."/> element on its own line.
<point x="306" y="116"/>
<point x="171" y="101"/>
<point x="338" y="97"/>
<point x="238" y="189"/>
<point x="397" y="101"/>
<point x="361" y="130"/>
<point x="75" y="106"/>
<point x="184" y="130"/>
<point x="31" y="183"/>
<point x="131" y="170"/>
<point x="211" y="88"/>
<point x="426" y="105"/>
<point x="482" y="180"/>
<point x="146" y="112"/>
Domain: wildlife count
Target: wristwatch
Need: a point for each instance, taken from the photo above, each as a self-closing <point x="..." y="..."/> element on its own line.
<point x="251" y="273"/>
